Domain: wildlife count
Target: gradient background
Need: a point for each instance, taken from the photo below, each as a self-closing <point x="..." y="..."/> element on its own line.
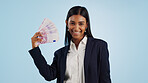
<point x="122" y="23"/>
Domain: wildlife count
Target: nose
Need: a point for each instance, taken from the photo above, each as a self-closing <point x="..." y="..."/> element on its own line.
<point x="76" y="28"/>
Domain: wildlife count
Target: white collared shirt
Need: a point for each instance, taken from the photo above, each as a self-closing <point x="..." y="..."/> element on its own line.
<point x="75" y="63"/>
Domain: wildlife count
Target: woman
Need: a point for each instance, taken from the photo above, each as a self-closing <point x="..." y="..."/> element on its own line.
<point x="84" y="59"/>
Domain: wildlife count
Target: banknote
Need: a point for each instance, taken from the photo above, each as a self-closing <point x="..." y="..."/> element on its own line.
<point x="49" y="32"/>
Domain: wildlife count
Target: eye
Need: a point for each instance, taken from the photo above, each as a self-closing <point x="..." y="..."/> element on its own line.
<point x="72" y="23"/>
<point x="81" y="24"/>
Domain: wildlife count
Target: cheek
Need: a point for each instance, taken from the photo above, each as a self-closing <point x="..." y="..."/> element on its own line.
<point x="83" y="29"/>
<point x="70" y="27"/>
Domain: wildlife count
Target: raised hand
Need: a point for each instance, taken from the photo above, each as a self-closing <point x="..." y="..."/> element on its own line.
<point x="36" y="38"/>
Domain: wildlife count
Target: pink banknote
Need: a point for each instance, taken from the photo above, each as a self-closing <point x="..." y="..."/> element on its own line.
<point x="49" y="32"/>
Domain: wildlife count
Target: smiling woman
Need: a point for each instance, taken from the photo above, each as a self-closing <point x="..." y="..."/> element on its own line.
<point x="83" y="59"/>
<point x="80" y="14"/>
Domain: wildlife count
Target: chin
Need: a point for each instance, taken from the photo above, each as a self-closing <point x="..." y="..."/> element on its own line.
<point x="77" y="36"/>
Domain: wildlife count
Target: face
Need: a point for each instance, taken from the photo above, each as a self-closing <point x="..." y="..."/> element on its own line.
<point x="77" y="25"/>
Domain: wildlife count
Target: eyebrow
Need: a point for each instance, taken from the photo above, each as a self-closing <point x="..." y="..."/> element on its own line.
<point x="79" y="22"/>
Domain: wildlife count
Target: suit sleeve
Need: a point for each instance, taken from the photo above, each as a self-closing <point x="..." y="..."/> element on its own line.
<point x="49" y="72"/>
<point x="104" y="64"/>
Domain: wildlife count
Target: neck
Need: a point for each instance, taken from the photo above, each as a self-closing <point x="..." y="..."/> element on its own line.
<point x="77" y="41"/>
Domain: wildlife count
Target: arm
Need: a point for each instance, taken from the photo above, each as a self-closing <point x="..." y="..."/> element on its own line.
<point x="104" y="65"/>
<point x="49" y="72"/>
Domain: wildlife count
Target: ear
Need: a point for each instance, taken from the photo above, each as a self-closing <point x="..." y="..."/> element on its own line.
<point x="66" y="23"/>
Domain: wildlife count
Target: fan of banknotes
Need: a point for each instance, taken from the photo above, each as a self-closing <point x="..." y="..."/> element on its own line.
<point x="49" y="32"/>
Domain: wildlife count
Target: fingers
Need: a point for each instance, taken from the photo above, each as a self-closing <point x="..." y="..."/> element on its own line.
<point x="38" y="34"/>
<point x="36" y="38"/>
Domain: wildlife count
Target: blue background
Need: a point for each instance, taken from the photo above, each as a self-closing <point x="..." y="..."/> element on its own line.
<point x="122" y="23"/>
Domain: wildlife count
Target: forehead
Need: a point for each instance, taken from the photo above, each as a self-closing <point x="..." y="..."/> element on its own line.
<point x="77" y="18"/>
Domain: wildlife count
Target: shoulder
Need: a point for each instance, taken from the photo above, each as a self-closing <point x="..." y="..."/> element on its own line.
<point x="99" y="42"/>
<point x="61" y="50"/>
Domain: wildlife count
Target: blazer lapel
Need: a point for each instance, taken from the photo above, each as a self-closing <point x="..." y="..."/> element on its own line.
<point x="88" y="50"/>
<point x="63" y="60"/>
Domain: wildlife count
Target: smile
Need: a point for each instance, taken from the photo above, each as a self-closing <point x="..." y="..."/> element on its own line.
<point x="76" y="32"/>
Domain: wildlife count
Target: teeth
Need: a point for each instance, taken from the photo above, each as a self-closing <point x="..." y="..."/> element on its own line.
<point x="76" y="32"/>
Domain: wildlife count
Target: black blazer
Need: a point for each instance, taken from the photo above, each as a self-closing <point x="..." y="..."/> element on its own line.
<point x="96" y="62"/>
